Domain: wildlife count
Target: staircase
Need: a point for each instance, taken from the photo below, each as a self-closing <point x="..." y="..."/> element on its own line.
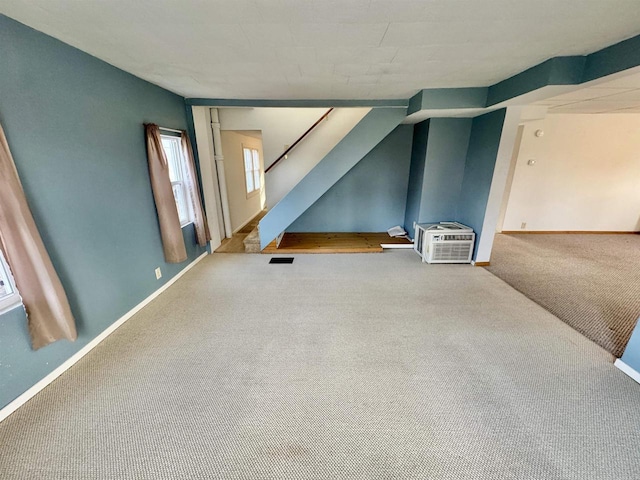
<point x="370" y="131"/>
<point x="252" y="242"/>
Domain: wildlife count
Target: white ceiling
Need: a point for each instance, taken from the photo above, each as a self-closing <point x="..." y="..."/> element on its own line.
<point x="341" y="49"/>
<point x="616" y="96"/>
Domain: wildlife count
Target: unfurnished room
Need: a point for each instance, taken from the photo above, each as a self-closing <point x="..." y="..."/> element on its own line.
<point x="319" y="240"/>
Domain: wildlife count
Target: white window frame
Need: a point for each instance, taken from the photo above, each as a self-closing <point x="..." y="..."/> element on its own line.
<point x="254" y="172"/>
<point x="178" y="177"/>
<point x="13" y="299"/>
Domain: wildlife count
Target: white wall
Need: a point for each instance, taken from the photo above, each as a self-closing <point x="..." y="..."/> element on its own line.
<point x="586" y="174"/>
<point x="282" y="126"/>
<point x="242" y="208"/>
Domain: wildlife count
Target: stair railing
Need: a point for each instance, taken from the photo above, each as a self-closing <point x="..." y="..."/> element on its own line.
<point x="292" y="146"/>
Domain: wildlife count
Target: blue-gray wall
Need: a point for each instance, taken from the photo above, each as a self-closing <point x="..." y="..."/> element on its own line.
<point x="371" y="197"/>
<point x="444" y="169"/>
<point x="437" y="170"/>
<point x="74" y="125"/>
<point x="416" y="174"/>
<point x="482" y="154"/>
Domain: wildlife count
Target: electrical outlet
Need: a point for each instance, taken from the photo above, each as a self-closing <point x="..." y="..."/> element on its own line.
<point x="158" y="273"/>
<point x="523" y="225"/>
<point x="414" y="225"/>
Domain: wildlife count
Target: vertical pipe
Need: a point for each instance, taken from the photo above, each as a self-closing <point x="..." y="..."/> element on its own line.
<point x="222" y="183"/>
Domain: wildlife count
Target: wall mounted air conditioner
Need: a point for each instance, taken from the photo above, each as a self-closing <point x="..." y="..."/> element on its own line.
<point x="444" y="242"/>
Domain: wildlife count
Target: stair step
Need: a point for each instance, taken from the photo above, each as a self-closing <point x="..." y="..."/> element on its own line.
<point x="252" y="242"/>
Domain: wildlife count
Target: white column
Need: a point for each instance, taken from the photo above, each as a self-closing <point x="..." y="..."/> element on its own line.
<point x="498" y="182"/>
<point x="204" y="144"/>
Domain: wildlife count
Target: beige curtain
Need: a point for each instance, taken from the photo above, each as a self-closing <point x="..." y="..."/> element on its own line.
<point x="170" y="231"/>
<point x="45" y="301"/>
<point x="199" y="218"/>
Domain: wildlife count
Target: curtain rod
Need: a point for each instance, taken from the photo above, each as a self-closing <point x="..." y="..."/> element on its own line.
<point x="170" y="130"/>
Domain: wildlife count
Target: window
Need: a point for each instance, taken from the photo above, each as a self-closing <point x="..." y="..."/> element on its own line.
<point x="9" y="297"/>
<point x="177" y="174"/>
<point x="252" y="170"/>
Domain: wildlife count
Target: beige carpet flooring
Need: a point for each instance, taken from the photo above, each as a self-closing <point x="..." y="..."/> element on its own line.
<point x="334" y="367"/>
<point x="591" y="282"/>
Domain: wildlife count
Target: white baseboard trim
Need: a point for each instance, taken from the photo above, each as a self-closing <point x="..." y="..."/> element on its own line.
<point x="628" y="370"/>
<point x="26" y="396"/>
<point x="396" y="245"/>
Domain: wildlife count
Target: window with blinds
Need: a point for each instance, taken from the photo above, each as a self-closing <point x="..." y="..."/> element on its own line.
<point x="175" y="158"/>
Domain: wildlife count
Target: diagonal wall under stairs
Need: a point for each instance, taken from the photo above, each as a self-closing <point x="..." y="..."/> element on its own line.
<point x="370" y="131"/>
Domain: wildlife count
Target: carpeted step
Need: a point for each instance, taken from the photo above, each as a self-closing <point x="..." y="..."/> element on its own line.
<point x="252" y="242"/>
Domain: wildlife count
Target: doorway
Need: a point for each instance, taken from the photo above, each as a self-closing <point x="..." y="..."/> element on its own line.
<point x="244" y="181"/>
<point x="570" y="219"/>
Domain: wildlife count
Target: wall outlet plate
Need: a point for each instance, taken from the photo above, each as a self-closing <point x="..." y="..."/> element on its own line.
<point x="158" y="273"/>
<point x="523" y="225"/>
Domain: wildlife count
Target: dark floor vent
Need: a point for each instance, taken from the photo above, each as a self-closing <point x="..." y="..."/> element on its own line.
<point x="281" y="260"/>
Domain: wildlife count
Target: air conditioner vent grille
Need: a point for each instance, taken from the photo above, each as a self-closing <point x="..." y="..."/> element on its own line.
<point x="451" y="251"/>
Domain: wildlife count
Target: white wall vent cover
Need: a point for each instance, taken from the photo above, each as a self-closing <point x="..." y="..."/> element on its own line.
<point x="444" y="242"/>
